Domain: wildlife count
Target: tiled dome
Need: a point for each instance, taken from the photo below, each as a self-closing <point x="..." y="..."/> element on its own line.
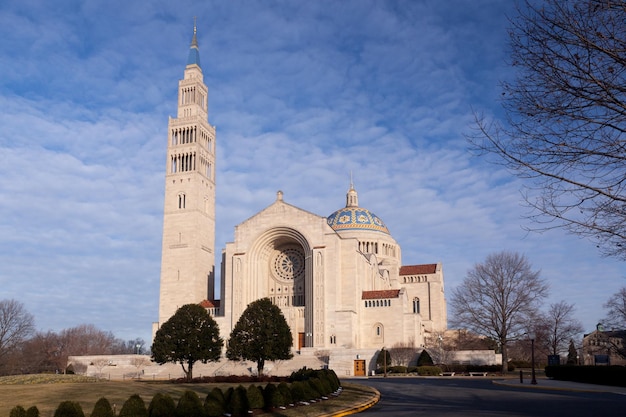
<point x="353" y="217"/>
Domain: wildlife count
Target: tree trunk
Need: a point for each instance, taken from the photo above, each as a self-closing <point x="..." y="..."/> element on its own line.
<point x="260" y="364"/>
<point x="505" y="359"/>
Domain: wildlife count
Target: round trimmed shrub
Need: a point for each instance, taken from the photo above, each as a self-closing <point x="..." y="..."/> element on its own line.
<point x="297" y="391"/>
<point x="32" y="412"/>
<point x="213" y="407"/>
<point x="214" y="403"/>
<point x="272" y="397"/>
<point x="17" y="411"/>
<point x="161" y="405"/>
<point x="255" y="397"/>
<point x="102" y="408"/>
<point x="285" y="391"/>
<point x="189" y="405"/>
<point x="238" y="404"/>
<point x="69" y="409"/>
<point x="134" y="407"/>
<point x="309" y="390"/>
<point x="429" y="370"/>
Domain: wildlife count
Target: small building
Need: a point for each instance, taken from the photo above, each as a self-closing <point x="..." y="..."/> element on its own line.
<point x="602" y="347"/>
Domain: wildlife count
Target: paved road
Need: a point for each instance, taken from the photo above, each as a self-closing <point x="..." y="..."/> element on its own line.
<point x="481" y="398"/>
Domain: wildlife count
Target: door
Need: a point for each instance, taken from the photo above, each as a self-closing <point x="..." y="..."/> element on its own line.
<point x="359" y="367"/>
<point x="301" y="341"/>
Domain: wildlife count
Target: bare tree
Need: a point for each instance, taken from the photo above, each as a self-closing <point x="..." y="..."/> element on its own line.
<point x="99" y="364"/>
<point x="402" y="353"/>
<point x="564" y="131"/>
<point x="139" y="362"/>
<point x="561" y="327"/>
<point x="616" y="306"/>
<point x="16" y="324"/>
<point x="497" y="298"/>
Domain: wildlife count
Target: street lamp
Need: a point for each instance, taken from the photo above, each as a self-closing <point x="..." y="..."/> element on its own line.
<point x="385" y="361"/>
<point x="533" y="379"/>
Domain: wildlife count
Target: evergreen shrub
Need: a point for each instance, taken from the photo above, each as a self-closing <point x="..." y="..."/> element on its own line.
<point x="134" y="407"/>
<point x="424" y="359"/>
<point x="161" y="405"/>
<point x="255" y="397"/>
<point x="189" y="405"/>
<point x="32" y="412"/>
<point x="397" y="369"/>
<point x="17" y="411"/>
<point x="428" y="370"/>
<point x="297" y="391"/>
<point x="102" y="408"/>
<point x="285" y="391"/>
<point x="238" y="404"/>
<point x="69" y="409"/>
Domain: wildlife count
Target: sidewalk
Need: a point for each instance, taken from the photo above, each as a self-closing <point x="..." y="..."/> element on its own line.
<point x="552" y="384"/>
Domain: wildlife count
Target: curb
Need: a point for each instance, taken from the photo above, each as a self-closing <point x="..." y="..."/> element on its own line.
<point x="554" y="388"/>
<point x="358" y="408"/>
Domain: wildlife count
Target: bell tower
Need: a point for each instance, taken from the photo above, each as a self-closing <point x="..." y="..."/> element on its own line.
<point x="188" y="253"/>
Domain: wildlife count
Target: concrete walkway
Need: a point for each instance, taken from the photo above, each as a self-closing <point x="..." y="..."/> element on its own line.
<point x="552" y="384"/>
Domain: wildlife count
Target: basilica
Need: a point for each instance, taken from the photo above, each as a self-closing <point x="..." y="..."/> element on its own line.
<point x="338" y="278"/>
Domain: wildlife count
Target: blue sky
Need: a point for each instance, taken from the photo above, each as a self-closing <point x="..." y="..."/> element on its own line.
<point x="301" y="94"/>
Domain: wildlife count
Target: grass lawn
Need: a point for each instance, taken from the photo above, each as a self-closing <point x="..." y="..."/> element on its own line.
<point x="47" y="391"/>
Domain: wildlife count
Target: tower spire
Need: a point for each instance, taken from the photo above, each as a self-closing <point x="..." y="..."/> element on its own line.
<point x="194" y="51"/>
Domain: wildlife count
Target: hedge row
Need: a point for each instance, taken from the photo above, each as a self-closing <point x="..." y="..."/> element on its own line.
<point x="420" y="370"/>
<point x="601" y="375"/>
<point x="307" y="385"/>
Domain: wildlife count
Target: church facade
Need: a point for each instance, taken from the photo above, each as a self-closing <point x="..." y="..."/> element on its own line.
<point x="338" y="279"/>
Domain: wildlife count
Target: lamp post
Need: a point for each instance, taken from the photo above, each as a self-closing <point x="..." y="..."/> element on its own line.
<point x="385" y="361"/>
<point x="533" y="379"/>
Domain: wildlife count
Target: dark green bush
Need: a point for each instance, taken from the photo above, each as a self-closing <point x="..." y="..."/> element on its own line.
<point x="238" y="404"/>
<point x="69" y="409"/>
<point x="601" y="375"/>
<point x="309" y="390"/>
<point x="285" y="391"/>
<point x="397" y="369"/>
<point x="189" y="405"/>
<point x="317" y="385"/>
<point x="32" y="412"/>
<point x="411" y="369"/>
<point x="134" y="407"/>
<point x="255" y="397"/>
<point x="213" y="407"/>
<point x="335" y="384"/>
<point x="302" y="374"/>
<point x="161" y="405"/>
<point x="326" y="387"/>
<point x="428" y="370"/>
<point x="297" y="391"/>
<point x="380" y="359"/>
<point x="228" y="395"/>
<point x="215" y="403"/>
<point x="218" y="395"/>
<point x="272" y="397"/>
<point x="18" y="411"/>
<point x="102" y="408"/>
<point x="425" y="359"/>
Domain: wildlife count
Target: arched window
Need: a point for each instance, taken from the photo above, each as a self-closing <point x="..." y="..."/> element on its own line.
<point x="416" y="305"/>
<point x="181" y="201"/>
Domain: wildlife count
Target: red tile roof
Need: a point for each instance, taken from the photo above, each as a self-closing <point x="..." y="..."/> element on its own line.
<point x="210" y="303"/>
<point x="380" y="294"/>
<point x="418" y="269"/>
